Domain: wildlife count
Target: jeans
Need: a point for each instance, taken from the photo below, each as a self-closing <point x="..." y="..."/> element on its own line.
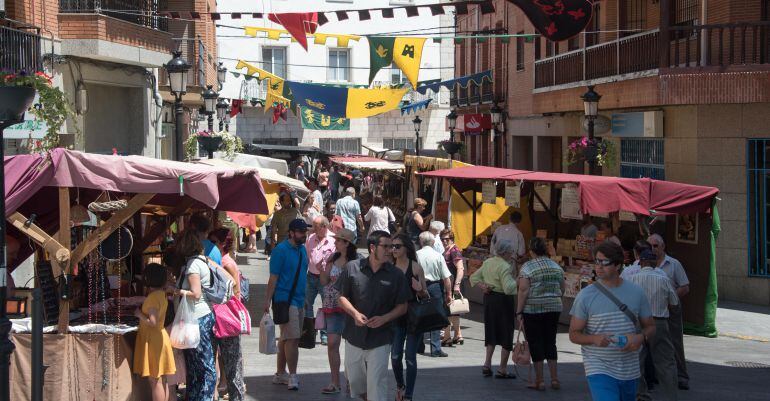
<point x="436" y="290"/>
<point x="397" y="354"/>
<point x="200" y="363"/>
<point x="607" y="388"/>
<point x="312" y="290"/>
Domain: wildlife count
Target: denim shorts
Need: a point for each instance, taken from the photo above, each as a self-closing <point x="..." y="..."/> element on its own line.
<point x="335" y="323"/>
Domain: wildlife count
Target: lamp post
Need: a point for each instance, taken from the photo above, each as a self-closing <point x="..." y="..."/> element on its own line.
<point x="221" y="75"/>
<point x="496" y="114"/>
<point x="591" y="105"/>
<point x="227" y="120"/>
<point x="210" y="104"/>
<point x="177" y="69"/>
<point x="221" y="111"/>
<point x="417" y="123"/>
<point x="451" y="119"/>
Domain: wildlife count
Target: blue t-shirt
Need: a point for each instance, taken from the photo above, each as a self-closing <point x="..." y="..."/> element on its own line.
<point x="211" y="250"/>
<point x="283" y="263"/>
<point x="604" y="317"/>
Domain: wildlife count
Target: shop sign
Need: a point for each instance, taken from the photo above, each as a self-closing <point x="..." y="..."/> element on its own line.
<point x="570" y="203"/>
<point x="489" y="192"/>
<point x="602" y="125"/>
<point x="627" y="216"/>
<point x="544" y="192"/>
<point x="29" y="128"/>
<point x="513" y="195"/>
<point x="474" y="123"/>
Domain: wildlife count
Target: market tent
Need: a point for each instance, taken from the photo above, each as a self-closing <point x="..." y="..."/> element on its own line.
<point x="366" y="163"/>
<point x="267" y="175"/>
<point x="245" y="159"/>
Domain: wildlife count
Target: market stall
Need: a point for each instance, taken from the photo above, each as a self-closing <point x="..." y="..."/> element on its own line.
<point x="386" y="179"/>
<point x="114" y="208"/>
<point x="628" y="209"/>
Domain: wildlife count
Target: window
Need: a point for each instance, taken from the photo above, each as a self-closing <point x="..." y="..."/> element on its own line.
<point x="339" y="66"/>
<point x="549" y="48"/>
<point x="633" y="16"/>
<point x="520" y="51"/>
<point x="642" y="158"/>
<point x="274" y="61"/>
<point x="397" y="76"/>
<point x="684" y="12"/>
<point x="592" y="38"/>
<point x="343" y="145"/>
<point x="758" y="195"/>
<point x="399" y="143"/>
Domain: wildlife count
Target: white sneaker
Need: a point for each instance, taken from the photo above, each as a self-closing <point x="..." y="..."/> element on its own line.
<point x="280" y="378"/>
<point x="293" y="382"/>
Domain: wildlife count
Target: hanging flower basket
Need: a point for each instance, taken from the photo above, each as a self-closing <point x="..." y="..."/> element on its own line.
<point x="14" y="101"/>
<point x="225" y="141"/>
<point x="452" y="148"/>
<point x="210" y="144"/>
<point x="604" y="152"/>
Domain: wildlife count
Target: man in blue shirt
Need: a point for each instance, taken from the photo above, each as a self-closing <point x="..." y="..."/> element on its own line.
<point x="202" y="226"/>
<point x="287" y="258"/>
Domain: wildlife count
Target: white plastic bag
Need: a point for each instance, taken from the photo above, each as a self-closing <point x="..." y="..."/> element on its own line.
<point x="185" y="332"/>
<point x="267" y="336"/>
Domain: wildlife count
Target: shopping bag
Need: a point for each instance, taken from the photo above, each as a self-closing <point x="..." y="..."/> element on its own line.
<point x="320" y="320"/>
<point x="267" y="336"/>
<point x="232" y="319"/>
<point x="185" y="332"/>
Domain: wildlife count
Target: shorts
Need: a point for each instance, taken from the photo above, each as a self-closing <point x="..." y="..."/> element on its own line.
<point x="335" y="322"/>
<point x="293" y="329"/>
<point x="367" y="371"/>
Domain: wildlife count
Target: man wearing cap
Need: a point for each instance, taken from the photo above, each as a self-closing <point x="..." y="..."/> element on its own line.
<point x="661" y="294"/>
<point x="287" y="264"/>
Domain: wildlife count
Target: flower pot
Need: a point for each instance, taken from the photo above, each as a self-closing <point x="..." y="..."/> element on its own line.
<point x="210" y="144"/>
<point x="452" y="147"/>
<point x="14" y="101"/>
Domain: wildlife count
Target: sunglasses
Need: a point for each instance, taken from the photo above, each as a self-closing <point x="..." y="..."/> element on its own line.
<point x="603" y="262"/>
<point x="445" y="239"/>
<point x="396" y="246"/>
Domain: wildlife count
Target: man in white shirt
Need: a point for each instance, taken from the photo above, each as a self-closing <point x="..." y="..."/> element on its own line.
<point x="510" y="233"/>
<point x="436" y="227"/>
<point x="437" y="279"/>
<point x="675" y="272"/>
<point x="350" y="211"/>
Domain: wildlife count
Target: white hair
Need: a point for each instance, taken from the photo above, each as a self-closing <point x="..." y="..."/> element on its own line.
<point x="437" y="226"/>
<point x="657" y="238"/>
<point x="350" y="191"/>
<point x="504" y="248"/>
<point x="427" y="238"/>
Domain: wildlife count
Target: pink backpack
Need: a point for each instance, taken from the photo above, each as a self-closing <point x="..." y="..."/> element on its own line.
<point x="232" y="319"/>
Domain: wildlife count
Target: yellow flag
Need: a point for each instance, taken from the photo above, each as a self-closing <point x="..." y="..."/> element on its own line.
<point x="364" y="102"/>
<point x="407" y="55"/>
<point x="273" y="34"/>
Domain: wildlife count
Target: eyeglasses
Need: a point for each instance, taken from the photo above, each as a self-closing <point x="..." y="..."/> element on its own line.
<point x="396" y="246"/>
<point x="445" y="239"/>
<point x="603" y="262"/>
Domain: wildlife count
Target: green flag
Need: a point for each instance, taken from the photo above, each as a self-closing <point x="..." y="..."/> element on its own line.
<point x="380" y="54"/>
<point x="317" y="121"/>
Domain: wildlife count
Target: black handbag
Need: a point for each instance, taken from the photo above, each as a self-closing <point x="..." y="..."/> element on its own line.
<point x="281" y="309"/>
<point x="307" y="339"/>
<point x="428" y="314"/>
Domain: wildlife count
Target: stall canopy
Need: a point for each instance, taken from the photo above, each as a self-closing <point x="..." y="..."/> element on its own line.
<point x="245" y="159"/>
<point x="366" y="163"/>
<point x="267" y="175"/>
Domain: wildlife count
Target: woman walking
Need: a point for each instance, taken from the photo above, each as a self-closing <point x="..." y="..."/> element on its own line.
<point x="541" y="285"/>
<point x="379" y="216"/>
<point x="405" y="257"/>
<point x="334" y="316"/>
<point x="454" y="261"/>
<point x="415" y="223"/>
<point x="200" y="363"/>
<point x="495" y="278"/>
<point x="229" y="349"/>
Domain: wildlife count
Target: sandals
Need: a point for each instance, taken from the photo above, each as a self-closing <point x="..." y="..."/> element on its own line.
<point x="458" y="340"/>
<point x="447" y="343"/>
<point x="400" y="393"/>
<point x="538" y="385"/>
<point x="330" y="389"/>
<point x="555" y="384"/>
<point x="504" y="375"/>
<point x="486" y="371"/>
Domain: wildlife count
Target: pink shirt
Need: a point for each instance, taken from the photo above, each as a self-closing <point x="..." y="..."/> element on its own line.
<point x="318" y="251"/>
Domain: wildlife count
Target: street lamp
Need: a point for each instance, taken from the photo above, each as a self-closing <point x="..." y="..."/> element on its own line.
<point x="221" y="111"/>
<point x="227" y="119"/>
<point x="177" y="69"/>
<point x="591" y="106"/>
<point x="221" y="75"/>
<point x="451" y="119"/>
<point x="496" y="112"/>
<point x="210" y="104"/>
<point x="417" y="123"/>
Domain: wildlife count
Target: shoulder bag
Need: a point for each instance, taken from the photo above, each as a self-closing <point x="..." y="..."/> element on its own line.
<point x="623" y="307"/>
<point x="281" y="309"/>
<point x="459" y="305"/>
<point x="427" y="314"/>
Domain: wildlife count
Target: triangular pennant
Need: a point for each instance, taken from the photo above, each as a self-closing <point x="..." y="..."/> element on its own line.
<point x="363" y="15"/>
<point x="235" y="107"/>
<point x="487" y="8"/>
<point x="215" y="16"/>
<point x="322" y="20"/>
<point x="380" y="54"/>
<point x="461" y="9"/>
<point x="195" y="15"/>
<point x="458" y="41"/>
<point x="343" y="40"/>
<point x="437" y="40"/>
<point x="387" y="13"/>
<point x="436" y="9"/>
<point x="407" y="55"/>
<point x="341" y="15"/>
<point x="298" y="24"/>
<point x="412" y="11"/>
<point x="320" y="38"/>
<point x="256" y="15"/>
<point x="175" y="15"/>
<point x="482" y="39"/>
<point x="235" y="16"/>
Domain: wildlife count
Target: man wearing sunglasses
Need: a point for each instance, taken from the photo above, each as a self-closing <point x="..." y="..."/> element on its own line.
<point x="675" y="272"/>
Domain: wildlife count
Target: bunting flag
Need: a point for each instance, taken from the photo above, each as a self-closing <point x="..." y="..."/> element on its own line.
<point x="342" y="40"/>
<point x="298" y="24"/>
<point x="557" y="20"/>
<point x="270" y="33"/>
<point x="275" y="88"/>
<point x="415" y="107"/>
<point x="317" y="121"/>
<point x="280" y="112"/>
<point x="435" y="85"/>
<point x="404" y="52"/>
<point x="235" y="107"/>
<point x="345" y="102"/>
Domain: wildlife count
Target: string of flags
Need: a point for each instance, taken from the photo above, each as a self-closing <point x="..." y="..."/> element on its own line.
<point x="435" y="85"/>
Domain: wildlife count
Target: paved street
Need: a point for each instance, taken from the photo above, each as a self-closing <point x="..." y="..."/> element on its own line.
<point x="459" y="376"/>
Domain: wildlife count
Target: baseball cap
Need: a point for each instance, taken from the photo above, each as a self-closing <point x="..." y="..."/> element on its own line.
<point x="298" y="225"/>
<point x="648" y="255"/>
<point x="345" y="234"/>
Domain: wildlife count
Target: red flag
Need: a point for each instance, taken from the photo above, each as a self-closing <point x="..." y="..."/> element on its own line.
<point x="298" y="24"/>
<point x="235" y="107"/>
<point x="280" y="112"/>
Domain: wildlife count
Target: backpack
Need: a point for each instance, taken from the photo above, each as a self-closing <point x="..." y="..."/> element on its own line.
<point x="220" y="289"/>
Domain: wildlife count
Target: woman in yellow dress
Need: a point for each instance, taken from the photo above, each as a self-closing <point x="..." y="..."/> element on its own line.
<point x="153" y="355"/>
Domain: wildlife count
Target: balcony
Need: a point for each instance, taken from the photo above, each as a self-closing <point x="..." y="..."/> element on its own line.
<point x="139" y="12"/>
<point x="194" y="51"/>
<point x="720" y="45"/>
<point x="19" y="50"/>
<point x="487" y="94"/>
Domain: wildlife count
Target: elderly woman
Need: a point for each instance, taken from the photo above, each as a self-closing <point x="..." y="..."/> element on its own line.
<point x="454" y="260"/>
<point x="435" y="228"/>
<point x="416" y="223"/>
<point x="541" y="285"/>
<point x="495" y="278"/>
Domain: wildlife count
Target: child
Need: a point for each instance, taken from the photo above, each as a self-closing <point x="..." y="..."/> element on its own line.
<point x="153" y="355"/>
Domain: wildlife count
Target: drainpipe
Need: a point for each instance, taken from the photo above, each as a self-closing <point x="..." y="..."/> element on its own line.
<point x="159" y="114"/>
<point x="703" y="38"/>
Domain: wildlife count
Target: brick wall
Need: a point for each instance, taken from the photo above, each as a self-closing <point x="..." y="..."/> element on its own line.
<point x="41" y="13"/>
<point x="95" y="26"/>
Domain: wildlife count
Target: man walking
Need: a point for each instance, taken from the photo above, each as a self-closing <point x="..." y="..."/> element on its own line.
<point x="435" y="228"/>
<point x="373" y="293"/>
<point x="678" y="277"/>
<point x="606" y="320"/>
<point x="510" y="233"/>
<point x="437" y="279"/>
<point x="661" y="294"/>
<point x="350" y="210"/>
<point x="288" y="267"/>
<point x="282" y="218"/>
<point x="320" y="246"/>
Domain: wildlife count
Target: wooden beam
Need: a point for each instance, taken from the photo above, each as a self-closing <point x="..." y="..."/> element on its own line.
<point x="64" y="217"/>
<point x="101" y="233"/>
<point x="158" y="228"/>
<point x="58" y="253"/>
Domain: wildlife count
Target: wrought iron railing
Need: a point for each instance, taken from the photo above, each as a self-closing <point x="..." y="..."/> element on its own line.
<point x="140" y="12"/>
<point x="19" y="50"/>
<point x="746" y="43"/>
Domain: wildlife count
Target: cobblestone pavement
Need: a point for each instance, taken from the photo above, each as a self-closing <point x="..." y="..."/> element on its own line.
<point x="458" y="377"/>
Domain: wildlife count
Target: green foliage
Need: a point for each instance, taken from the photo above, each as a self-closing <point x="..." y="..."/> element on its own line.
<point x="231" y="144"/>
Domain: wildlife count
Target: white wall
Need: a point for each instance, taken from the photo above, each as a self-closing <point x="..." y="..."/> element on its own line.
<point x="315" y="61"/>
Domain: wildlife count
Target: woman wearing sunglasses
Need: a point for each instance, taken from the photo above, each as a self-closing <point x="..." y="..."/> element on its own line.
<point x="405" y="259"/>
<point x="454" y="261"/>
<point x="334" y="317"/>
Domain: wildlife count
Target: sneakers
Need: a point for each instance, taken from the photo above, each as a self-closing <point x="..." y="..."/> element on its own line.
<point x="293" y="382"/>
<point x="281" y="378"/>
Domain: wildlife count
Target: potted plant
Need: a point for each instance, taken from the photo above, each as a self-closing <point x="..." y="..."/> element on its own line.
<point x="604" y="152"/>
<point x="451" y="147"/>
<point x="212" y="142"/>
<point x="16" y="94"/>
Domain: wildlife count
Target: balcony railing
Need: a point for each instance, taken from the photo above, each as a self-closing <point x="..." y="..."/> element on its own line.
<point x="194" y="51"/>
<point x="720" y="45"/>
<point x="487" y="95"/>
<point x="19" y="51"/>
<point x="635" y="53"/>
<point x="140" y="12"/>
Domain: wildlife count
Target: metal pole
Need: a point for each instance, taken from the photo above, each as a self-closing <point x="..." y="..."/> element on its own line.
<point x="179" y="127"/>
<point x="211" y="122"/>
<point x="6" y="345"/>
<point x="221" y="124"/>
<point x="591" y="147"/>
<point x="37" y="344"/>
<point x="417" y="143"/>
<point x="449" y="183"/>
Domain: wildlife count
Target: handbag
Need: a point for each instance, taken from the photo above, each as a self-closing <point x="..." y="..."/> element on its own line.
<point x="281" y="309"/>
<point x="520" y="355"/>
<point x="232" y="319"/>
<point x="459" y="305"/>
<point x="428" y="314"/>
<point x="307" y="338"/>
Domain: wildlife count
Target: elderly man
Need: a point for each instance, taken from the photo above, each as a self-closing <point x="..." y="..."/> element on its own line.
<point x="350" y="210"/>
<point x="319" y="246"/>
<point x="678" y="277"/>
<point x="510" y="233"/>
<point x="282" y="218"/>
<point x="435" y="228"/>
<point x="437" y="279"/>
<point x="661" y="295"/>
